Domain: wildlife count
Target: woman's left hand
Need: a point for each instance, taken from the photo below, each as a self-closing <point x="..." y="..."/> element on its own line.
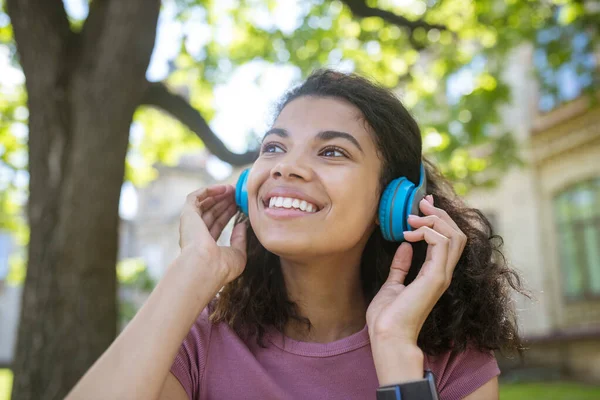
<point x="397" y="313"/>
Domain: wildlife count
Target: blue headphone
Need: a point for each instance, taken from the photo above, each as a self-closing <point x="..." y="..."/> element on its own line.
<point x="399" y="199"/>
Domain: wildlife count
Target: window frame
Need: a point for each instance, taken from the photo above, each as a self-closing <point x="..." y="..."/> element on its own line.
<point x="577" y="226"/>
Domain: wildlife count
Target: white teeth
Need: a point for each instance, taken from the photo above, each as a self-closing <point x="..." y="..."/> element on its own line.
<point x="288" y="202"/>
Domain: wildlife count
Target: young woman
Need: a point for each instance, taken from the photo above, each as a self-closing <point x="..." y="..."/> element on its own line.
<point x="315" y="303"/>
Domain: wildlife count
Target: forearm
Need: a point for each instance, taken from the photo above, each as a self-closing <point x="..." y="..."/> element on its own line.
<point x="138" y="361"/>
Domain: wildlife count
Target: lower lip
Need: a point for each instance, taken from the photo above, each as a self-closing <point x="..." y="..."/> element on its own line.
<point x="286" y="213"/>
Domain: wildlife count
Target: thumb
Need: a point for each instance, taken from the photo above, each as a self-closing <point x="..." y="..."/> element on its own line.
<point x="400" y="264"/>
<point x="238" y="237"/>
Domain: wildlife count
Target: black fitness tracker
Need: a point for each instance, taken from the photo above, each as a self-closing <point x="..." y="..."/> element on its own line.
<point x="423" y="389"/>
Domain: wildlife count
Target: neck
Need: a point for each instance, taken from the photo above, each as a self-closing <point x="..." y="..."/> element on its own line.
<point x="328" y="292"/>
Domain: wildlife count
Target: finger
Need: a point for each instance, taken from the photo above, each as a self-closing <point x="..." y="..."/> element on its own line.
<point x="434" y="222"/>
<point x="206" y="204"/>
<point x="426" y="291"/>
<point x="437" y="250"/>
<point x="400" y="264"/>
<point x="238" y="237"/>
<point x="217" y="227"/>
<point x="197" y="196"/>
<point x="457" y="238"/>
<point x="429" y="209"/>
<point x="216" y="211"/>
<point x="190" y="207"/>
<point x="426" y="233"/>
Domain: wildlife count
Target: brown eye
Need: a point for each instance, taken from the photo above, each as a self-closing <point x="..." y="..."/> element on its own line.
<point x="333" y="152"/>
<point x="271" y="148"/>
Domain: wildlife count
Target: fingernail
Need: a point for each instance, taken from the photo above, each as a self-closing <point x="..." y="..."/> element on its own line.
<point x="413" y="216"/>
<point x="430" y="198"/>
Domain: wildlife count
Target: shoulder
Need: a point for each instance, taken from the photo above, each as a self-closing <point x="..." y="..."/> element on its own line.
<point x="190" y="360"/>
<point x="459" y="373"/>
<point x="204" y="333"/>
<point x="200" y="331"/>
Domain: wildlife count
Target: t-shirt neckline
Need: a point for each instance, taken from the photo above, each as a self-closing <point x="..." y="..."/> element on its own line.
<point x="313" y="349"/>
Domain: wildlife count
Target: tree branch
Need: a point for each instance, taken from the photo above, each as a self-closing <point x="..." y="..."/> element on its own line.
<point x="158" y="95"/>
<point x="41" y="31"/>
<point x="360" y="9"/>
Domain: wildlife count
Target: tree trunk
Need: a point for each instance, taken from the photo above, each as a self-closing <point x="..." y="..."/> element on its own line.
<point x="82" y="92"/>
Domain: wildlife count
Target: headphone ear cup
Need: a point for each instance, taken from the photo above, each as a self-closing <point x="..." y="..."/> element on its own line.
<point x="393" y="211"/>
<point x="400" y="199"/>
<point x="385" y="210"/>
<point x="241" y="191"/>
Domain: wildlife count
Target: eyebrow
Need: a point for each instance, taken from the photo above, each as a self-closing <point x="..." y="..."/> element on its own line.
<point x="323" y="136"/>
<point x="276" y="131"/>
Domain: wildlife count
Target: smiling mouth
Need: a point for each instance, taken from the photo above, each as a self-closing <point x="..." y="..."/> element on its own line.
<point x="290" y="203"/>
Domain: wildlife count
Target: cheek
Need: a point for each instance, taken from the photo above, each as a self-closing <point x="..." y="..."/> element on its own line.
<point x="256" y="177"/>
<point x="354" y="210"/>
<point x="355" y="194"/>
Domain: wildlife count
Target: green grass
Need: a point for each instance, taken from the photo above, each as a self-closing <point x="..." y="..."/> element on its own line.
<point x="6" y="379"/>
<point x="548" y="391"/>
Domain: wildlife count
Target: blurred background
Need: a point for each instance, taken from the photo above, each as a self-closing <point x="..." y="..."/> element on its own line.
<point x="112" y="111"/>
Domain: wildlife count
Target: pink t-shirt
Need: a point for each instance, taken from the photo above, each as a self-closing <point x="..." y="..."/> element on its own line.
<point x="213" y="363"/>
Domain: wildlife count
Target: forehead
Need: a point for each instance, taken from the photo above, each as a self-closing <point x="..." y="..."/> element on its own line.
<point x="307" y="115"/>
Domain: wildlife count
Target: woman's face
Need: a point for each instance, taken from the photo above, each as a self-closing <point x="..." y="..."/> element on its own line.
<point x="314" y="189"/>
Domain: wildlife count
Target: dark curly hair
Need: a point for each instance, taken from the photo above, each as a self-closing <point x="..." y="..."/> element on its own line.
<point x="477" y="308"/>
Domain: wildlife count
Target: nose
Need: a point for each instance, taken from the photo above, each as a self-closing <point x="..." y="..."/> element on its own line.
<point x="292" y="168"/>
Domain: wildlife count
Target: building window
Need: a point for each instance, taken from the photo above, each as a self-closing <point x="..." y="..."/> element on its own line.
<point x="577" y="215"/>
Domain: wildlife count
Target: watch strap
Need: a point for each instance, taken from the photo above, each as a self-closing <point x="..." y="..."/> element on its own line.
<point x="422" y="389"/>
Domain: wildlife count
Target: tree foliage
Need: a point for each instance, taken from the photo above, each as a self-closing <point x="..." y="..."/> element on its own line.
<point x="417" y="46"/>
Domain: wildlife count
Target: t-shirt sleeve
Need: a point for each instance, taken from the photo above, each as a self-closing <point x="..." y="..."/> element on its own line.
<point x="460" y="374"/>
<point x="189" y="363"/>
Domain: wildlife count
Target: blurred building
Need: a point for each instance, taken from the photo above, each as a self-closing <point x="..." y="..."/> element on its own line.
<point x="549" y="217"/>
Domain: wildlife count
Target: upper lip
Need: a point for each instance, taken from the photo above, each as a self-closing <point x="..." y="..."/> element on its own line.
<point x="281" y="191"/>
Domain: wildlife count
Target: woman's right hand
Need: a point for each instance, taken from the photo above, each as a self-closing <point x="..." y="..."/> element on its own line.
<point x="204" y="215"/>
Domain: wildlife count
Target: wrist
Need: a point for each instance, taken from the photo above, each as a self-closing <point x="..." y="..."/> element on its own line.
<point x="397" y="363"/>
<point x="199" y="269"/>
<point x="421" y="389"/>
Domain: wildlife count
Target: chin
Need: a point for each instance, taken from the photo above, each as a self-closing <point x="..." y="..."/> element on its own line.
<point x="291" y="244"/>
